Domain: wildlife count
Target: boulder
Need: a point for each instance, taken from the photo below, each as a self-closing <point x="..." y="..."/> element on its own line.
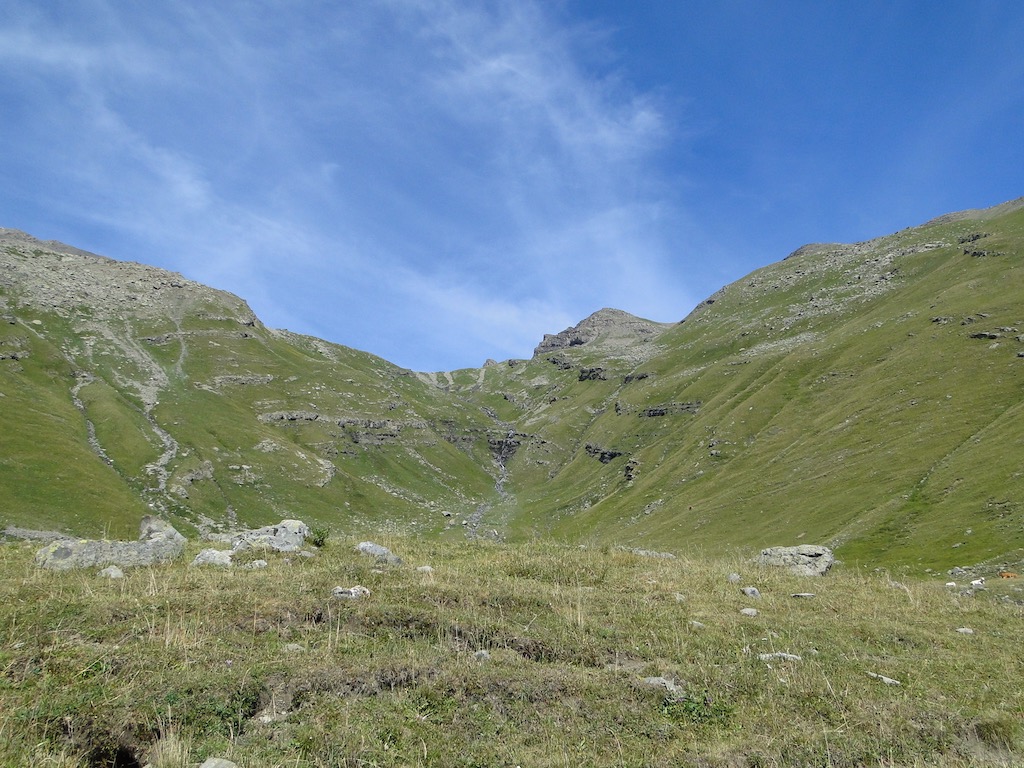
<point x="383" y="554"/>
<point x="802" y="560"/>
<point x="217" y="557"/>
<point x="158" y="542"/>
<point x="286" y="536"/>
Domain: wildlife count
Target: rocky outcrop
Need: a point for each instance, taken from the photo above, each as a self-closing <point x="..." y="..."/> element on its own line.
<point x="64" y="279"/>
<point x="607" y="327"/>
<point x="802" y="560"/>
<point x="158" y="542"/>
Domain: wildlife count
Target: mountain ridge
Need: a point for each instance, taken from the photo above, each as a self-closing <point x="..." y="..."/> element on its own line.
<point x="873" y="386"/>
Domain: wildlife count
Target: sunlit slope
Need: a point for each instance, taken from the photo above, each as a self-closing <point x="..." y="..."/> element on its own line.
<point x="125" y="388"/>
<point x="868" y="396"/>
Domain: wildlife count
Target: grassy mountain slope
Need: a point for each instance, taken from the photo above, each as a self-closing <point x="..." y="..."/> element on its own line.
<point x="140" y="389"/>
<point x="867" y="396"/>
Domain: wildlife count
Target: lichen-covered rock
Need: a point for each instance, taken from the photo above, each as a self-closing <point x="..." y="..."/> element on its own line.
<point x="802" y="560"/>
<point x="158" y="542"/>
<point x="220" y="558"/>
<point x="286" y="536"/>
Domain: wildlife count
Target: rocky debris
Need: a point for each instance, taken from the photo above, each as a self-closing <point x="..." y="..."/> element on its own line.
<point x="383" y="554"/>
<point x="203" y="472"/>
<point x="667" y="409"/>
<point x="357" y="592"/>
<point x="604" y="455"/>
<point x="802" y="560"/>
<point x="243" y="380"/>
<point x="286" y="536"/>
<point x="752" y="592"/>
<point x="59" y="277"/>
<point x="112" y="572"/>
<point x="560" y="362"/>
<point x="592" y="374"/>
<point x="158" y="542"/>
<point x="220" y="558"/>
<point x="635" y="377"/>
<point x="607" y="328"/>
<point x="972" y="237"/>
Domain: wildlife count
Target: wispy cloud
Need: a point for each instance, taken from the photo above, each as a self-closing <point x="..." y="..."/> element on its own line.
<point x="371" y="172"/>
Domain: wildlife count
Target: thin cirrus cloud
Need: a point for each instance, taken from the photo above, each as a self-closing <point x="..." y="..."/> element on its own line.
<point x="434" y="182"/>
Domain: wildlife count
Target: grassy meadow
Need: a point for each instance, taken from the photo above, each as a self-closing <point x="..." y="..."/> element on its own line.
<point x="530" y="654"/>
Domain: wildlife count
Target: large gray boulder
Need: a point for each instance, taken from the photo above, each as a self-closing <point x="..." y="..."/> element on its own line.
<point x="158" y="542"/>
<point x="286" y="536"/>
<point x="802" y="560"/>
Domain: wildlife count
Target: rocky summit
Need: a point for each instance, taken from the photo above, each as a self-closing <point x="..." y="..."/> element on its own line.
<point x="863" y="398"/>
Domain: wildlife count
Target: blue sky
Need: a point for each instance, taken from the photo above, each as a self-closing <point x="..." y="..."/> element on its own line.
<point x="443" y="182"/>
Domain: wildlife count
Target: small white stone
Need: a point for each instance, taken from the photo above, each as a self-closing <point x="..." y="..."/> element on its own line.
<point x="350" y="593"/>
<point x="749" y="611"/>
<point x="112" y="572"/>
<point x="965" y="630"/>
<point x="884" y="679"/>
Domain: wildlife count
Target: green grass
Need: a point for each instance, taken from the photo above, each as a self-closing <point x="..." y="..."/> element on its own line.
<point x="175" y="664"/>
